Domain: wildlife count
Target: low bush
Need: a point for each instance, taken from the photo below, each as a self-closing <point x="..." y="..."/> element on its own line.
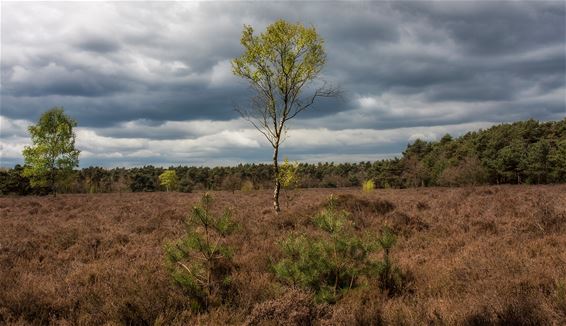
<point x="231" y="183"/>
<point x="547" y="218"/>
<point x="523" y="308"/>
<point x="360" y="206"/>
<point x="368" y="186"/>
<point x="247" y="186"/>
<point x="296" y="307"/>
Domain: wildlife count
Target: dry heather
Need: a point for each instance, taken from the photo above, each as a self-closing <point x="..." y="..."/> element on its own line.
<point x="477" y="256"/>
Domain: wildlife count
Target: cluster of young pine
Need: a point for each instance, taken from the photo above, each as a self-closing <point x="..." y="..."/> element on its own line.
<point x="329" y="264"/>
<point x="337" y="260"/>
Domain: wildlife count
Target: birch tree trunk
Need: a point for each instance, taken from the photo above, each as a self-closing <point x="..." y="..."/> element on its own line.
<point x="277" y="189"/>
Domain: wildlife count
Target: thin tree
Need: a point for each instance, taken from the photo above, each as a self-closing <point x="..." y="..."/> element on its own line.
<point x="52" y="154"/>
<point x="168" y="179"/>
<point x="280" y="65"/>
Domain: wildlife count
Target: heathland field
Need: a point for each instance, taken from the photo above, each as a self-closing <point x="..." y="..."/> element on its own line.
<point x="476" y="256"/>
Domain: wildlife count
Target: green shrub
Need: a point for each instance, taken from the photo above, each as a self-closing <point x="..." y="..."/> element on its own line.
<point x="200" y="262"/>
<point x="186" y="184"/>
<point x="231" y="183"/>
<point x="247" y="186"/>
<point x="330" y="264"/>
<point x="368" y="186"/>
<point x="391" y="278"/>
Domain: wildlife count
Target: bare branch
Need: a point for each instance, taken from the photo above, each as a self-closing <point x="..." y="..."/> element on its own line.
<point x="323" y="91"/>
<point x="263" y="128"/>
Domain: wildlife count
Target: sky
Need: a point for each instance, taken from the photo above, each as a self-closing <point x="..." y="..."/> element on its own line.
<point x="151" y="82"/>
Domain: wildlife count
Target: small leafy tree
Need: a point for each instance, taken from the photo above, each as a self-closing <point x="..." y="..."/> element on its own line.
<point x="200" y="262"/>
<point x="52" y="155"/>
<point x="368" y="186"/>
<point x="168" y="179"/>
<point x="289" y="178"/>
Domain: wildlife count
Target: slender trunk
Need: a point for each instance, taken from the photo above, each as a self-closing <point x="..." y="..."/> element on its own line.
<point x="336" y="269"/>
<point x="277" y="182"/>
<point x="387" y="265"/>
<point x="52" y="182"/>
<point x="209" y="267"/>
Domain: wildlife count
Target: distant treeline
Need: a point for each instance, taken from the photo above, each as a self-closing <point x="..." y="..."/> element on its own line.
<point x="523" y="152"/>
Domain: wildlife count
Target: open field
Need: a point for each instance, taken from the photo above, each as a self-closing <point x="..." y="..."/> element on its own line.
<point x="478" y="256"/>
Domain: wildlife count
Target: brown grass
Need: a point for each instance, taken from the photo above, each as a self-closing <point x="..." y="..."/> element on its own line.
<point x="478" y="256"/>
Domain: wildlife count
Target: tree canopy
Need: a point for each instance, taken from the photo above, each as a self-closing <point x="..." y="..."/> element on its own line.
<point x="52" y="154"/>
<point x="168" y="179"/>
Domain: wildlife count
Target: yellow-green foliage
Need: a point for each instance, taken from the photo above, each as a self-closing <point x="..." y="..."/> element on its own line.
<point x="284" y="49"/>
<point x="288" y="174"/>
<point x="289" y="178"/>
<point x="52" y="156"/>
<point x="247" y="186"/>
<point x="368" y="185"/>
<point x="168" y="179"/>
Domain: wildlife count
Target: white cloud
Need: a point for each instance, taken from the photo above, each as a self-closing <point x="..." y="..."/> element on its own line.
<point x="222" y="74"/>
<point x="313" y="138"/>
<point x="213" y="142"/>
<point x="13" y="127"/>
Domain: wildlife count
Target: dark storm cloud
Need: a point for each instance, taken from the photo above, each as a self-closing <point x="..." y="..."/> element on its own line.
<point x="53" y="80"/>
<point x="129" y="70"/>
<point x="99" y="44"/>
<point x="495" y="27"/>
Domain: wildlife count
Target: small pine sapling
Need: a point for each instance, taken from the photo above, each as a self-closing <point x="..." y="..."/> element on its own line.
<point x="331" y="264"/>
<point x="391" y="278"/>
<point x="201" y="261"/>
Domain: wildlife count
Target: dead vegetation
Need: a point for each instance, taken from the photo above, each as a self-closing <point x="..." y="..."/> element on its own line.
<point x="477" y="256"/>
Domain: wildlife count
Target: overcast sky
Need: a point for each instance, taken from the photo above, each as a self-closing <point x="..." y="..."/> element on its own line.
<point x="151" y="83"/>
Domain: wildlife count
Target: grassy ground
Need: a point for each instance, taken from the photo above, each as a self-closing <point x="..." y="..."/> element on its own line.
<point x="478" y="256"/>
